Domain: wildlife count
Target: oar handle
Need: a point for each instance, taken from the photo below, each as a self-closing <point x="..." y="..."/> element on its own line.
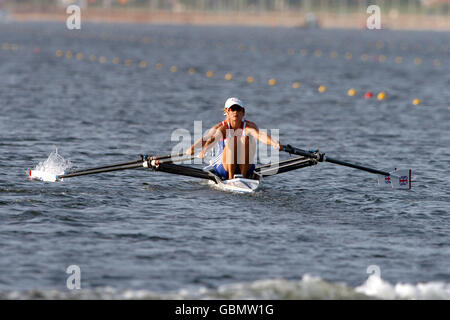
<point x="158" y="161"/>
<point x="293" y="150"/>
<point x="166" y="156"/>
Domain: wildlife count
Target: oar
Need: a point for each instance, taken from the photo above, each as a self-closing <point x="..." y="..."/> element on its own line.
<point x="144" y="161"/>
<point x="125" y="164"/>
<point x="402" y="178"/>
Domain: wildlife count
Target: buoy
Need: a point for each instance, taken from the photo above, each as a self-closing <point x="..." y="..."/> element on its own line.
<point x="322" y="89"/>
<point x="368" y="95"/>
<point x="296" y="85"/>
<point x="381" y="96"/>
<point x="416" y="102"/>
<point x="351" y="92"/>
<point x="272" y="82"/>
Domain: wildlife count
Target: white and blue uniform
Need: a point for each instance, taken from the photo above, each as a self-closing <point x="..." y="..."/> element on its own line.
<point x="216" y="163"/>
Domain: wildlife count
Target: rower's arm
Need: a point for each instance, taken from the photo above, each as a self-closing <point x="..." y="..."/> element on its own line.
<point x="262" y="136"/>
<point x="216" y="135"/>
<point x="202" y="141"/>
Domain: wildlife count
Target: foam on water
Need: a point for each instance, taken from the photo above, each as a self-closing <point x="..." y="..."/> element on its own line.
<point x="308" y="288"/>
<point x="377" y="287"/>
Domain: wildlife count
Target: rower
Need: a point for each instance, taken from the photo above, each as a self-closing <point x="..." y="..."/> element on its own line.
<point x="233" y="135"/>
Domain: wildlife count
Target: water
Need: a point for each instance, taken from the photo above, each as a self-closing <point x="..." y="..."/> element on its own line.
<point x="311" y="233"/>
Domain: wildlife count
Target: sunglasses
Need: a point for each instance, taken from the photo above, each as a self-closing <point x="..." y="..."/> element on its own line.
<point x="236" y="108"/>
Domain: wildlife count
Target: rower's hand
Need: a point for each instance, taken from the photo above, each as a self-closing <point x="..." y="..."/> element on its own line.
<point x="190" y="151"/>
<point x="277" y="146"/>
<point x="201" y="155"/>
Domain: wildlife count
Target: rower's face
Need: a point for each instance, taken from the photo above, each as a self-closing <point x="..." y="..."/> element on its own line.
<point x="235" y="113"/>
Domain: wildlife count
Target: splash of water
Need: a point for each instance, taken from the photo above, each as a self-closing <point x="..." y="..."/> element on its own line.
<point x="54" y="164"/>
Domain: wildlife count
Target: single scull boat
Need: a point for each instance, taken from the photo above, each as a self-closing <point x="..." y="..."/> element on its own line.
<point x="394" y="179"/>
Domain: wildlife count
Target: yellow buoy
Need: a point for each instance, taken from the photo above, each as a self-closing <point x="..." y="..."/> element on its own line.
<point x="381" y="95"/>
<point x="228" y="76"/>
<point x="322" y="89"/>
<point x="250" y="79"/>
<point x="296" y="85"/>
<point x="143" y="64"/>
<point x="191" y="71"/>
<point x="351" y="92"/>
<point x="416" y="102"/>
<point x="272" y="82"/>
<point x="158" y="66"/>
<point x="173" y="69"/>
<point x="209" y="74"/>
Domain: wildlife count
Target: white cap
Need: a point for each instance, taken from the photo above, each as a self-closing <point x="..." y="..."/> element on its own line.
<point x="232" y="101"/>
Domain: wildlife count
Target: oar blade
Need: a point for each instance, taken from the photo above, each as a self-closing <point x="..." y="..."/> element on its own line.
<point x="384" y="181"/>
<point x="398" y="179"/>
<point x="42" y="176"/>
<point x="401" y="179"/>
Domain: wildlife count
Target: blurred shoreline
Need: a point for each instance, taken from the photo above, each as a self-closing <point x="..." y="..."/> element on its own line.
<point x="326" y="20"/>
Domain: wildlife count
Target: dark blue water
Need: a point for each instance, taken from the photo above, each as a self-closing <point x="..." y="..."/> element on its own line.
<point x="160" y="233"/>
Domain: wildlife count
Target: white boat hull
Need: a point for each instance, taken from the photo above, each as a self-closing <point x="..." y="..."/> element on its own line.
<point x="237" y="185"/>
